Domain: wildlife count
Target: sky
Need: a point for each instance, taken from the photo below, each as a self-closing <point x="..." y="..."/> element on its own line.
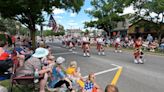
<point x="72" y="20"/>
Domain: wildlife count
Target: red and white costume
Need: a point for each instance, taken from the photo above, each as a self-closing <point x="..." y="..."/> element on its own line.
<point x="100" y="43"/>
<point x="85" y="45"/>
<point x="117" y="44"/>
<point x="137" y="51"/>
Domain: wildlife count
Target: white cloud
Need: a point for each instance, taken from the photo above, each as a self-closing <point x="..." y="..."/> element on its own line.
<point x="129" y="10"/>
<point x="59" y="21"/>
<point x="73" y="14"/>
<point x="72" y="23"/>
<point x="94" y="19"/>
<point x="83" y="21"/>
<point x="58" y="11"/>
<point x="89" y="9"/>
<point x="58" y="17"/>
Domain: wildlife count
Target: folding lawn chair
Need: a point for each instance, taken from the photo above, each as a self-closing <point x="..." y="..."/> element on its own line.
<point x="19" y="81"/>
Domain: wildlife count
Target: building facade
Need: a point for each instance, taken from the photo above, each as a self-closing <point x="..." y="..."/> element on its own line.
<point x="143" y="28"/>
<point x="121" y="28"/>
<point x="73" y="32"/>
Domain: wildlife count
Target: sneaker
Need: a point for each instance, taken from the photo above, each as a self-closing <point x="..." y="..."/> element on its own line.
<point x="115" y="51"/>
<point x="135" y="61"/>
<point x="103" y="53"/>
<point x="140" y="61"/>
<point x="120" y="51"/>
<point x="99" y="53"/>
<point x="88" y="54"/>
<point x="84" y="55"/>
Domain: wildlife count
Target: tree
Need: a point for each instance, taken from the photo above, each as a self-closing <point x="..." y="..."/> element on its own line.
<point x="8" y="25"/>
<point x="61" y="28"/>
<point x="2" y="26"/>
<point x="51" y="33"/>
<point x="23" y="31"/>
<point x="107" y="13"/>
<point x="29" y="12"/>
<point x="145" y="9"/>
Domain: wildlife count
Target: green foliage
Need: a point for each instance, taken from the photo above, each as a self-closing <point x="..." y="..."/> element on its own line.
<point x="2" y="26"/>
<point x="145" y="8"/>
<point x="61" y="28"/>
<point x="29" y="12"/>
<point x="107" y="12"/>
<point x="51" y="33"/>
<point x="23" y="31"/>
<point x="8" y="25"/>
<point x="59" y="33"/>
<point x="7" y="84"/>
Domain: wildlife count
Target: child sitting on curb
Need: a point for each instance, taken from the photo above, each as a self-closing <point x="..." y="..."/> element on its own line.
<point x="91" y="85"/>
<point x="74" y="74"/>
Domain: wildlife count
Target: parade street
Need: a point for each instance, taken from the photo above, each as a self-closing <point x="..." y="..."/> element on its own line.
<point x="147" y="77"/>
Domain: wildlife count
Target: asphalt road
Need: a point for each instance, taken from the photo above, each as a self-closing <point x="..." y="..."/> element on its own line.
<point x="148" y="77"/>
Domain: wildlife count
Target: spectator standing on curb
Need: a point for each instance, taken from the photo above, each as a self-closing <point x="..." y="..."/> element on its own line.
<point x="149" y="38"/>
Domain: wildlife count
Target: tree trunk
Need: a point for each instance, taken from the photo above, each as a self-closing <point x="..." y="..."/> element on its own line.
<point x="32" y="32"/>
<point x="31" y="26"/>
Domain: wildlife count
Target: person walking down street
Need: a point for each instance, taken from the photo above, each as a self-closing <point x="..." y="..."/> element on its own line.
<point x="138" y="52"/>
<point x="86" y="45"/>
<point x="100" y="43"/>
<point x="118" y="44"/>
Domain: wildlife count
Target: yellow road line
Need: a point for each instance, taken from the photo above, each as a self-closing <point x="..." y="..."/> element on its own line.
<point x="116" y="77"/>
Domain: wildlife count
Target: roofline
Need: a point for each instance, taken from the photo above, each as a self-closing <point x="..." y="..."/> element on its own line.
<point x="140" y="20"/>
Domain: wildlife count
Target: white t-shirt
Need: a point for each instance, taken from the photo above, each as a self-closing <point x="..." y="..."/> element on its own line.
<point x="100" y="40"/>
<point x="85" y="39"/>
<point x="118" y="40"/>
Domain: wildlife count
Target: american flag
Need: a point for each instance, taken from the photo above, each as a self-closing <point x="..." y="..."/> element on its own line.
<point x="52" y="23"/>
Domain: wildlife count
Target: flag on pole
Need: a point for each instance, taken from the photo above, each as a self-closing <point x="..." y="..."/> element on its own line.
<point x="52" y="23"/>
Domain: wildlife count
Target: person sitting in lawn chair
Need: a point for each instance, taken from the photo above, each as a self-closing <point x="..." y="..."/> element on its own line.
<point x="33" y="67"/>
<point x="59" y="77"/>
